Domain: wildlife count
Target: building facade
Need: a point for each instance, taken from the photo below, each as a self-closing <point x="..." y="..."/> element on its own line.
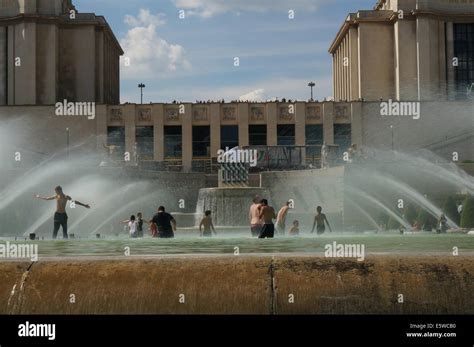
<point x="405" y="50"/>
<point x="49" y="52"/>
<point x="400" y="50"/>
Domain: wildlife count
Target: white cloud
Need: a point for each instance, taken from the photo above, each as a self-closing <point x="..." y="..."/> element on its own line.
<point x="146" y="54"/>
<point x="145" y="18"/>
<point x="209" y="8"/>
<point x="255" y="95"/>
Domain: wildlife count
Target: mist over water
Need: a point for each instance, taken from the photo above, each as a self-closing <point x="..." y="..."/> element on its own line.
<point x="370" y="186"/>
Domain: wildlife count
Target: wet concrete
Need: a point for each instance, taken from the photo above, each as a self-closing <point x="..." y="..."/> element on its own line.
<point x="239" y="285"/>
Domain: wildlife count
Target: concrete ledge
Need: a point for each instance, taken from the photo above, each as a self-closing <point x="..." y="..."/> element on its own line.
<point x="240" y="285"/>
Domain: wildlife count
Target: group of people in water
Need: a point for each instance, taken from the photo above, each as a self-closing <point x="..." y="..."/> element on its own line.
<point x="163" y="224"/>
<point x="261" y="217"/>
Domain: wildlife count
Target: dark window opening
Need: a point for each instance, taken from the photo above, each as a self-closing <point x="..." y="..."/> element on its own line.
<point x="257" y="135"/>
<point x="229" y="136"/>
<point x="286" y="135"/>
<point x="173" y="142"/>
<point x="342" y="137"/>
<point x="464" y="53"/>
<point x="116" y="142"/>
<point x="314" y="139"/>
<point x="144" y="139"/>
<point x="201" y="141"/>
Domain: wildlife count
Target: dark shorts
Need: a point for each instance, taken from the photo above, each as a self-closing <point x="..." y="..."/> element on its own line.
<point x="207" y="234"/>
<point x="268" y="231"/>
<point x="166" y="234"/>
<point x="255" y="229"/>
<point x="320" y="229"/>
<point x="60" y="218"/>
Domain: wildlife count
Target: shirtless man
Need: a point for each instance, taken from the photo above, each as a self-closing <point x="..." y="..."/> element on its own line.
<point x="254" y="217"/>
<point x="281" y="218"/>
<point x="267" y="214"/>
<point x="60" y="217"/>
<point x="319" y="221"/>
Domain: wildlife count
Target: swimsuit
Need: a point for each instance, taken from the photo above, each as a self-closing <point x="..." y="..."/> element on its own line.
<point x="255" y="229"/>
<point x="60" y="220"/>
<point x="320" y="229"/>
<point x="267" y="231"/>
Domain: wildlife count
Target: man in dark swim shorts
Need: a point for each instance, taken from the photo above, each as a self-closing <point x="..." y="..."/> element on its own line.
<point x="60" y="217"/>
<point x="267" y="214"/>
<point x="165" y="223"/>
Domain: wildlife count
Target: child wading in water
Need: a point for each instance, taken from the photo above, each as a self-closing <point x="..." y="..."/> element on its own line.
<point x="319" y="221"/>
<point x="132" y="226"/>
<point x="208" y="226"/>
<point x="140" y="222"/>
<point x="295" y="230"/>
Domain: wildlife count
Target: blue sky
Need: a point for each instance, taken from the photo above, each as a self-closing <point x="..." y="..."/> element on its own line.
<point x="193" y="58"/>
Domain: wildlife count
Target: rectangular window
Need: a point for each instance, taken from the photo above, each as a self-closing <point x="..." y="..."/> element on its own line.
<point x="116" y="142"/>
<point x="342" y="137"/>
<point x="229" y="136"/>
<point x="286" y="135"/>
<point x="173" y="142"/>
<point x="464" y="53"/>
<point x="144" y="139"/>
<point x="314" y="139"/>
<point x="201" y="141"/>
<point x="257" y="135"/>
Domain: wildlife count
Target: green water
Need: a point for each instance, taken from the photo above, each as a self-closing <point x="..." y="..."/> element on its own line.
<point x="412" y="244"/>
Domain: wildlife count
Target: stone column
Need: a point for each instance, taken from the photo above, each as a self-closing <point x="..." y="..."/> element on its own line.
<point x="243" y="117"/>
<point x="130" y="131"/>
<point x="300" y="127"/>
<point x="158" y="132"/>
<point x="328" y="123"/>
<point x="272" y="122"/>
<point x="449" y="59"/>
<point x="101" y="126"/>
<point x="215" y="117"/>
<point x="356" y="123"/>
<point x="187" y="137"/>
<point x="11" y="65"/>
<point x="25" y="74"/>
<point x="3" y="65"/>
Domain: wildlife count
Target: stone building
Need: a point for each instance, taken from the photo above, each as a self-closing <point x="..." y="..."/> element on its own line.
<point x="49" y="52"/>
<point x="405" y="50"/>
<point x="388" y="57"/>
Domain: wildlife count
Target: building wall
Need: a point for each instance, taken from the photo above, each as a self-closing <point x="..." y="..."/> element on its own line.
<point x="3" y="65"/>
<point x="47" y="60"/>
<point x="77" y="64"/>
<point x="405" y="50"/>
<point x="49" y="7"/>
<point x="443" y="127"/>
<point x="376" y="65"/>
<point x="74" y="59"/>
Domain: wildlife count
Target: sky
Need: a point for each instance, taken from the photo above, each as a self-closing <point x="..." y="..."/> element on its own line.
<point x="188" y="50"/>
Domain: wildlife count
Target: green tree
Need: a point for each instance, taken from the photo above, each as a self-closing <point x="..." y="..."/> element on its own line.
<point x="383" y="218"/>
<point x="450" y="210"/>
<point x="467" y="217"/>
<point x="410" y="214"/>
<point x="426" y="220"/>
<point x="393" y="224"/>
